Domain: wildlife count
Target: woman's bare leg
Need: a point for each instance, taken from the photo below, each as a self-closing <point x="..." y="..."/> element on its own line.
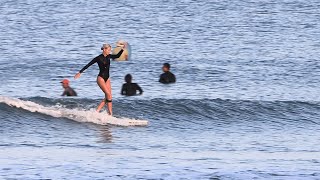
<point x="103" y="87"/>
<point x="109" y="96"/>
<point x="106" y="88"/>
<point x="100" y="106"/>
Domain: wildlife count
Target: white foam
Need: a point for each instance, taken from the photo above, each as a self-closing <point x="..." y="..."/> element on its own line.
<point x="74" y="114"/>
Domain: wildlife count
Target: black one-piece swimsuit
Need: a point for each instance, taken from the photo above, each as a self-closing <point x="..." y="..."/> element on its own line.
<point x="104" y="64"/>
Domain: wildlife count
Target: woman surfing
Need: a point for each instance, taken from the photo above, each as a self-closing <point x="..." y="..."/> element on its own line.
<point x="103" y="79"/>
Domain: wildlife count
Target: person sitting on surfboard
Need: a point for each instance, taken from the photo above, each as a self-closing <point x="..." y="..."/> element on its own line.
<point x="103" y="79"/>
<point x="129" y="88"/>
<point x="68" y="91"/>
<point x="167" y="77"/>
<point x="121" y="45"/>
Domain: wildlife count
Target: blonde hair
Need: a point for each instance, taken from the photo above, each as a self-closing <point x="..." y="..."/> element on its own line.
<point x="105" y="46"/>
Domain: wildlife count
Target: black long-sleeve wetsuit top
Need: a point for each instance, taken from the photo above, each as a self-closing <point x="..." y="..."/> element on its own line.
<point x="69" y="92"/>
<point x="104" y="64"/>
<point x="167" y="78"/>
<point x="130" y="89"/>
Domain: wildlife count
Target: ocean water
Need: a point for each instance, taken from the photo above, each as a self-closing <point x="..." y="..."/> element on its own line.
<point x="246" y="104"/>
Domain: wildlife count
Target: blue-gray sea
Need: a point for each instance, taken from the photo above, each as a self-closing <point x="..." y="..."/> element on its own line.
<point x="246" y="104"/>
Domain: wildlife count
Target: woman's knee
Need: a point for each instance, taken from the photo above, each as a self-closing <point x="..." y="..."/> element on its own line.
<point x="107" y="94"/>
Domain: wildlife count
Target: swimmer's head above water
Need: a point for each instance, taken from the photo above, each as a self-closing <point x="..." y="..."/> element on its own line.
<point x="128" y="78"/>
<point x="166" y="67"/>
<point x="65" y="83"/>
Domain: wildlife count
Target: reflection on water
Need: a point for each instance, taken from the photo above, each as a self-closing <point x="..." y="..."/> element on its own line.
<point x="105" y="134"/>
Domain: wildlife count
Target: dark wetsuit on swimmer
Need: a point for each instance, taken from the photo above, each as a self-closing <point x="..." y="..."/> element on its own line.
<point x="69" y="92"/>
<point x="104" y="64"/>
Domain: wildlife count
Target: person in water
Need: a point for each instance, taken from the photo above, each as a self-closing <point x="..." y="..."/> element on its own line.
<point x="103" y="79"/>
<point x="121" y="45"/>
<point x="68" y="91"/>
<point x="129" y="88"/>
<point x="167" y="77"/>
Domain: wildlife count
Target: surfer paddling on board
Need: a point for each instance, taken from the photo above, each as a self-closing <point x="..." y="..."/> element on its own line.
<point x="103" y="79"/>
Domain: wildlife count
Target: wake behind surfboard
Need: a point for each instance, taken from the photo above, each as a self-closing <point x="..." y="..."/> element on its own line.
<point x="73" y="114"/>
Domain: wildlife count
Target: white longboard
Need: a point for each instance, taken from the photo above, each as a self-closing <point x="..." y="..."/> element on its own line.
<point x="100" y="118"/>
<point x="123" y="121"/>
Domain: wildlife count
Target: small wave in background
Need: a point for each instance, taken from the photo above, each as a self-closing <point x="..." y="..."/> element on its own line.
<point x="79" y="115"/>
